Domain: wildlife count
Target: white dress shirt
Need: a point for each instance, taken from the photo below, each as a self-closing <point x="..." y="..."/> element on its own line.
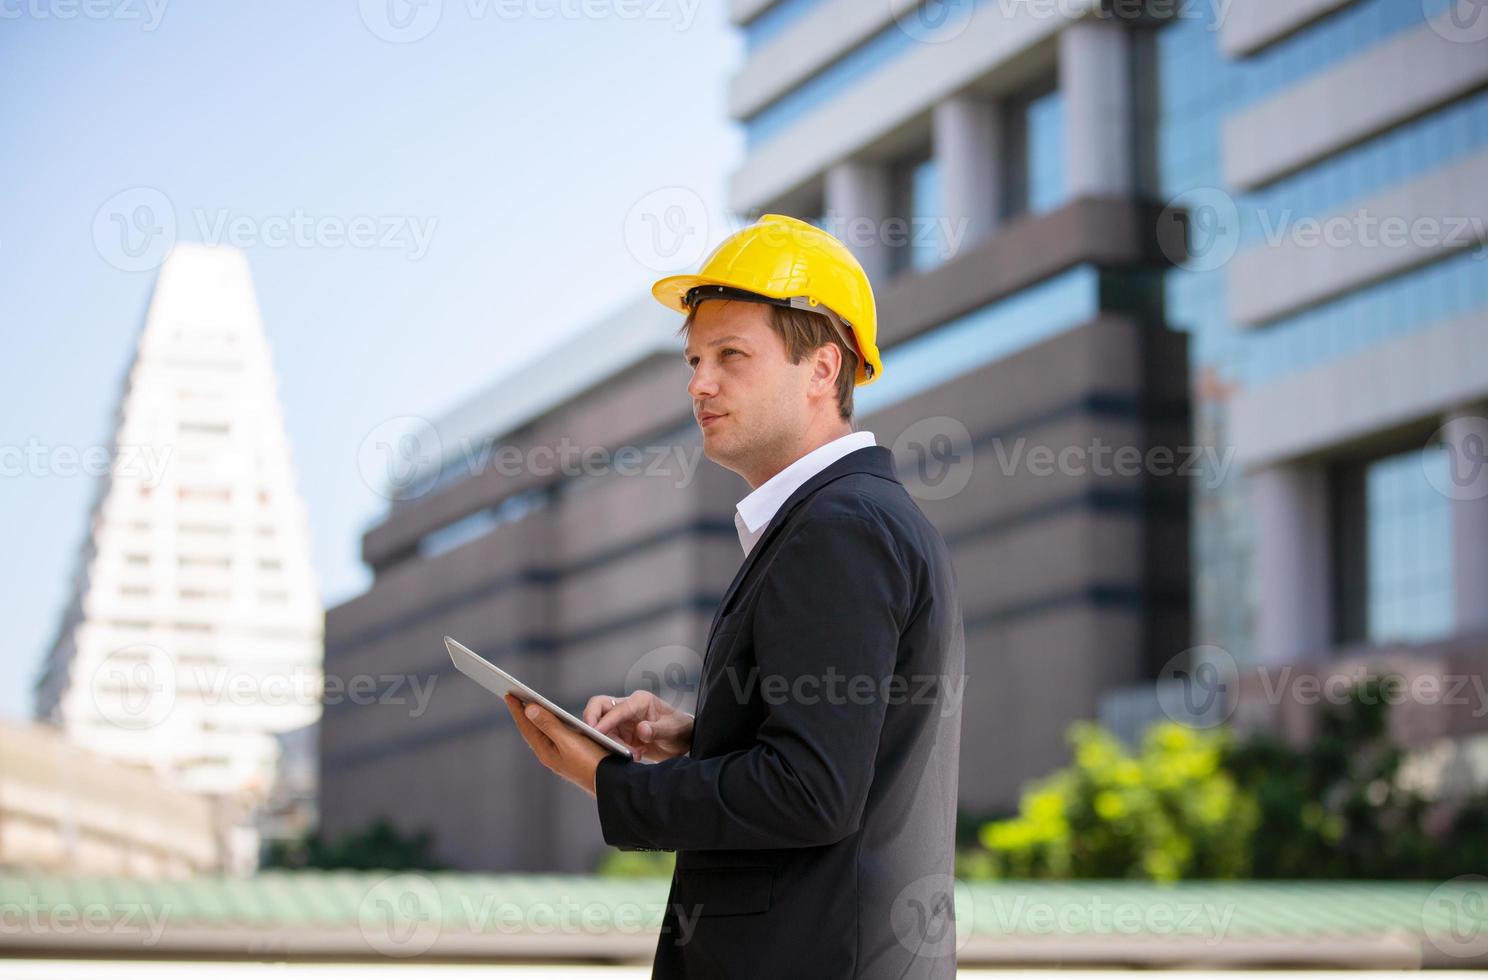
<point x="754" y="511"/>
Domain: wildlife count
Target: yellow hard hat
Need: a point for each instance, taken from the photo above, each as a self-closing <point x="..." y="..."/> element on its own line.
<point x="787" y="262"/>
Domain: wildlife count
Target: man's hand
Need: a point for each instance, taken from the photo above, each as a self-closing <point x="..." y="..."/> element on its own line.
<point x="573" y="756"/>
<point x="644" y="722"/>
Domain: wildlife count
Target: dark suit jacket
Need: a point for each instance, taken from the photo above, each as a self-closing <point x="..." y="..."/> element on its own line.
<point x="814" y="817"/>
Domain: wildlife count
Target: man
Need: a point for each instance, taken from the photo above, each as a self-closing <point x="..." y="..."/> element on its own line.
<point x="811" y="800"/>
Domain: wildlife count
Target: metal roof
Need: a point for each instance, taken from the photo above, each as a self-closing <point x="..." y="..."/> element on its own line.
<point x="365" y="915"/>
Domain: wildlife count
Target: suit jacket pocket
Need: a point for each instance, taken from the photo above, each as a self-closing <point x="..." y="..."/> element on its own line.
<point x="724" y="891"/>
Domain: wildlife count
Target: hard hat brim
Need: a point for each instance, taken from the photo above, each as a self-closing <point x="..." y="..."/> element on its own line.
<point x="672" y="291"/>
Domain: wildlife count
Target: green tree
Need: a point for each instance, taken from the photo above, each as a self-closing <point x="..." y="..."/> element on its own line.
<point x="1204" y="804"/>
<point x="1336" y="807"/>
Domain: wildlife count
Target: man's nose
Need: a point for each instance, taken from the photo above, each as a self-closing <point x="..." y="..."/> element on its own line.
<point x="704" y="383"/>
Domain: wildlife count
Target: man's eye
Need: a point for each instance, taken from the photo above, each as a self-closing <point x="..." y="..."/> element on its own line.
<point x="729" y="350"/>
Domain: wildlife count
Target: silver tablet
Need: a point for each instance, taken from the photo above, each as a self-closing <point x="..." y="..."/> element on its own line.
<point x="499" y="682"/>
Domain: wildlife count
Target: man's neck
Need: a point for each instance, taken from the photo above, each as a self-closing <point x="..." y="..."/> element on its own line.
<point x="808" y="445"/>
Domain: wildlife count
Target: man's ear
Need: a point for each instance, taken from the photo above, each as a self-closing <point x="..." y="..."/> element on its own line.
<point x="825" y="362"/>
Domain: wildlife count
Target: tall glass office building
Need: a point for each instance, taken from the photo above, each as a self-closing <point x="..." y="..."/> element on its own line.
<point x="1322" y="163"/>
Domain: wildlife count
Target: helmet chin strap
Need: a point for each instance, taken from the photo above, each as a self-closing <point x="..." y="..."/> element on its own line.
<point x="698" y="294"/>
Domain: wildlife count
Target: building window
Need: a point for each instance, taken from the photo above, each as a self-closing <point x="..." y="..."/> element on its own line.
<point x="477" y="525"/>
<point x="204" y="428"/>
<point x="1393" y="550"/>
<point x="917" y="239"/>
<point x="1034" y="135"/>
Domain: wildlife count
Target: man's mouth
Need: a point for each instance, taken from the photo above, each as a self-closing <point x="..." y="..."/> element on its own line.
<point x="708" y="418"/>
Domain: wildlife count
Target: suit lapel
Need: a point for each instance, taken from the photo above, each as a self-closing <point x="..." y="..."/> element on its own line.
<point x="876" y="460"/>
<point x="870" y="459"/>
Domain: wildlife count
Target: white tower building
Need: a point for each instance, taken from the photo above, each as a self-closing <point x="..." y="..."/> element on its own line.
<point x="194" y="633"/>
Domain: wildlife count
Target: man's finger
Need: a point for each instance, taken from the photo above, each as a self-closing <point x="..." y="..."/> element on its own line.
<point x="547" y="722"/>
<point x="668" y="726"/>
<point x="531" y="734"/>
<point x="623" y="711"/>
<point x="595" y="709"/>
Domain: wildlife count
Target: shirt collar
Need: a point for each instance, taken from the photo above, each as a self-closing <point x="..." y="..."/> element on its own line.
<point x="753" y="512"/>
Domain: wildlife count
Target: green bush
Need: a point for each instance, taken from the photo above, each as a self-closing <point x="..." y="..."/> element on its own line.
<point x="637" y="864"/>
<point x="1202" y="804"/>
<point x="1169" y="812"/>
<point x="378" y="848"/>
<point x="1336" y="809"/>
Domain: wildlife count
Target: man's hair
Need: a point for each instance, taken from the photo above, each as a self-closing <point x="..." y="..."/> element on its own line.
<point x="803" y="332"/>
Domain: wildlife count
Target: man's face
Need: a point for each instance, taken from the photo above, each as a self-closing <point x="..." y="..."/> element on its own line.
<point x="749" y="399"/>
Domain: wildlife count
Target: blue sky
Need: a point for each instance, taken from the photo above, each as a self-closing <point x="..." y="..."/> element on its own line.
<point x="520" y="136"/>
